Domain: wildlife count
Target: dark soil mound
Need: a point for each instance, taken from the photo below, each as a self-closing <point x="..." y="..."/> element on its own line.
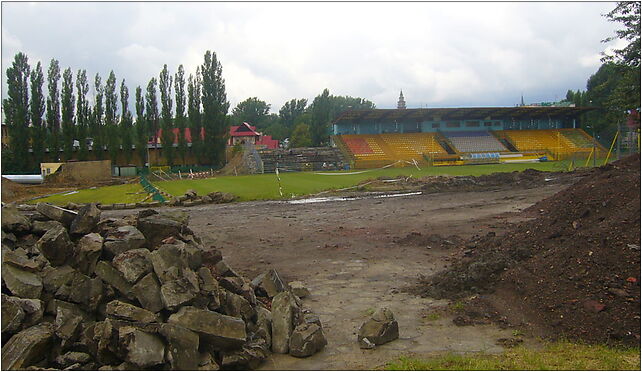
<point x="575" y="267"/>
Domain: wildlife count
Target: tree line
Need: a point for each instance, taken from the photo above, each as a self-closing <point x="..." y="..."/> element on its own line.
<point x="615" y="88"/>
<point x="64" y="118"/>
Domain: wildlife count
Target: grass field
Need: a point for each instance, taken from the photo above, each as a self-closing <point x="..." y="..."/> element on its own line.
<point x="556" y="356"/>
<point x="265" y="186"/>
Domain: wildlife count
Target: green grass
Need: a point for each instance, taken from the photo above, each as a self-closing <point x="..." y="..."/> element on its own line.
<point x="265" y="186"/>
<point x="106" y="195"/>
<point x="554" y="356"/>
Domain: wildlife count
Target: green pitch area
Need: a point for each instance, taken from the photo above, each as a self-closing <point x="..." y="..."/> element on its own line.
<point x="266" y="186"/>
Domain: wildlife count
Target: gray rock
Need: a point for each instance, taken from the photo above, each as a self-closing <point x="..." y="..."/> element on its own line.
<point x="223" y="269"/>
<point x="122" y="310"/>
<point x="248" y="358"/>
<point x="41" y="227"/>
<point x="113" y="277"/>
<point x="168" y="262"/>
<point x="181" y="291"/>
<point x="307" y="339"/>
<point x="207" y="281"/>
<point x="18" y="258"/>
<point x="192" y="254"/>
<point x="55" y="277"/>
<point x="68" y="321"/>
<point x="133" y="264"/>
<point x="12" y="315"/>
<point x="122" y="239"/>
<point x="89" y="249"/>
<point x="33" y="309"/>
<point x="56" y="246"/>
<point x="182" y="347"/>
<point x="14" y="221"/>
<point x="27" y="347"/>
<point x="62" y="215"/>
<point x="221" y="331"/>
<point x="379" y="329"/>
<point x="211" y="256"/>
<point x="21" y="283"/>
<point x="264" y="324"/>
<point x="286" y="315"/>
<point x="8" y="239"/>
<point x="142" y="349"/>
<point x="82" y="289"/>
<point x="71" y="358"/>
<point x="233" y="284"/>
<point x="158" y="227"/>
<point x="147" y="292"/>
<point x="237" y="306"/>
<point x="206" y="199"/>
<point x="299" y="289"/>
<point x="269" y="283"/>
<point x="86" y="220"/>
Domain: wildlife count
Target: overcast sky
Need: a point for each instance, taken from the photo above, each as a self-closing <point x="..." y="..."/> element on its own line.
<point x="440" y="54"/>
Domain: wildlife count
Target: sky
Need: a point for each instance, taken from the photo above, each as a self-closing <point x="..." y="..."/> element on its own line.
<point x="440" y="54"/>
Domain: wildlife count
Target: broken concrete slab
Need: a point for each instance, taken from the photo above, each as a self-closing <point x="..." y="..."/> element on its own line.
<point x="14" y="222"/>
<point x="62" y="215"/>
<point x="168" y="262"/>
<point x="41" y="227"/>
<point x="122" y="310"/>
<point x="307" y="339"/>
<point x="182" y="347"/>
<point x="89" y="249"/>
<point x="157" y="227"/>
<point x="19" y="259"/>
<point x="122" y="239"/>
<point x="223" y="269"/>
<point x="264" y="324"/>
<point x="299" y="289"/>
<point x="86" y="220"/>
<point x="113" y="277"/>
<point x="133" y="264"/>
<point x="269" y="283"/>
<point x="379" y="329"/>
<point x="20" y="282"/>
<point x="286" y="315"/>
<point x="211" y="256"/>
<point x="147" y="292"/>
<point x="27" y="347"/>
<point x="237" y="306"/>
<point x="178" y="292"/>
<point x="220" y="331"/>
<point x="56" y="246"/>
<point x="142" y="349"/>
<point x="55" y="277"/>
<point x="68" y="321"/>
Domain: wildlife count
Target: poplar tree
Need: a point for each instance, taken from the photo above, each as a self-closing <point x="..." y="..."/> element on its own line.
<point x="53" y="109"/>
<point x="82" y="113"/>
<point x="16" y="110"/>
<point x="151" y="105"/>
<point x="97" y="127"/>
<point x="167" y="137"/>
<point x="141" y="125"/>
<point x="215" y="107"/>
<point x="111" y="107"/>
<point x="179" y="89"/>
<point x="67" y="101"/>
<point x="37" y="107"/>
<point x="194" y="113"/>
<point x="125" y="122"/>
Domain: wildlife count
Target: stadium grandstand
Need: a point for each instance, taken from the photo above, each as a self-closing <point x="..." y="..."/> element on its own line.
<point x="447" y="136"/>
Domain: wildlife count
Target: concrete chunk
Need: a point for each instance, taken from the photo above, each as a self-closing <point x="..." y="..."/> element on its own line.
<point x="142" y="349"/>
<point x="147" y="292"/>
<point x="56" y="246"/>
<point x="182" y="347"/>
<point x="221" y="331"/>
<point x="27" y="347"/>
<point x="133" y="264"/>
<point x="14" y="221"/>
<point x="21" y="283"/>
<point x="89" y="249"/>
<point x="286" y="315"/>
<point x="62" y="215"/>
<point x="122" y="239"/>
<point x="113" y="277"/>
<point x="379" y="329"/>
<point x="86" y="220"/>
<point x="122" y="310"/>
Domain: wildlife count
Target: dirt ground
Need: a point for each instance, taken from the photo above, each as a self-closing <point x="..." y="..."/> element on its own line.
<point x="357" y="255"/>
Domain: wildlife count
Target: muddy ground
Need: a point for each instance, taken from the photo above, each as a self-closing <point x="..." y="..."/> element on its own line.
<point x="357" y="255"/>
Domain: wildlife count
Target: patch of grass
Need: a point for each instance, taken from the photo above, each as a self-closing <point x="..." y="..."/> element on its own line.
<point x="369" y="311"/>
<point x="457" y="306"/>
<point x="432" y="317"/>
<point x="561" y="355"/>
<point x="517" y="333"/>
<point x="128" y="193"/>
<point x="266" y="186"/>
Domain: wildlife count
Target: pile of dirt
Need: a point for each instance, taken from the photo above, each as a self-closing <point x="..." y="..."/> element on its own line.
<point x="10" y="190"/>
<point x="574" y="270"/>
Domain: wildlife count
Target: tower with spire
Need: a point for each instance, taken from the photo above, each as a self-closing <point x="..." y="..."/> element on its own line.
<point x="401" y="104"/>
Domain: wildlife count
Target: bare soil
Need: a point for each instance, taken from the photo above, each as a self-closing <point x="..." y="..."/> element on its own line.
<point x="357" y="255"/>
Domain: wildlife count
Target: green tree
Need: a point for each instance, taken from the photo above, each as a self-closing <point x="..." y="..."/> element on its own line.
<point x="301" y="136"/>
<point x="111" y="117"/>
<point x="97" y="126"/>
<point x="194" y="85"/>
<point x="167" y="137"/>
<point x="141" y="125"/>
<point x="151" y="105"/>
<point x="292" y="110"/>
<point x="180" y="119"/>
<point x="16" y="111"/>
<point x="67" y="104"/>
<point x="82" y="113"/>
<point x="53" y="109"/>
<point x="37" y="111"/>
<point x="320" y="111"/>
<point x="627" y="13"/>
<point x="252" y="111"/>
<point x="215" y="107"/>
<point x="125" y="123"/>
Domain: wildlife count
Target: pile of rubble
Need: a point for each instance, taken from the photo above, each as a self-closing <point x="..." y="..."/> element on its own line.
<point x="191" y="198"/>
<point x="83" y="293"/>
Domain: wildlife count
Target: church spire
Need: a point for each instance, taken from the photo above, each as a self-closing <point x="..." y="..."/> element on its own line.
<point x="401" y="104"/>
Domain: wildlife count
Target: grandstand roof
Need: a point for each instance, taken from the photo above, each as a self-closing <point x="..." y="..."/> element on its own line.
<point x="519" y="112"/>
